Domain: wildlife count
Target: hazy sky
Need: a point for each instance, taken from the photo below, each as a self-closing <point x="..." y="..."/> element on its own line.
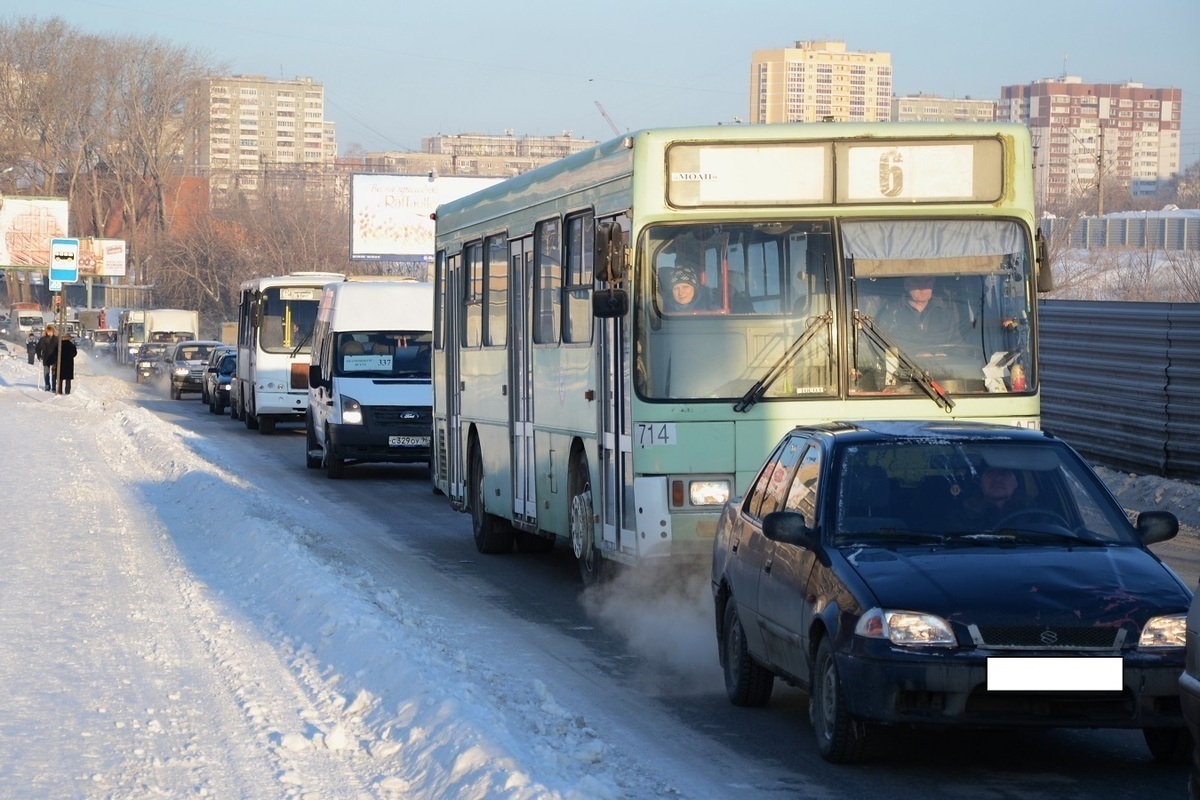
<point x="396" y="70"/>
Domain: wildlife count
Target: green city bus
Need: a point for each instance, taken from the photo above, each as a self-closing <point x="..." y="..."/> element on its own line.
<point x="576" y="397"/>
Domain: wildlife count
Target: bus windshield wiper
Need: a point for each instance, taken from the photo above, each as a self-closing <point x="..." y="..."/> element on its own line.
<point x="802" y="341"/>
<point x="919" y="375"/>
<point x="303" y="341"/>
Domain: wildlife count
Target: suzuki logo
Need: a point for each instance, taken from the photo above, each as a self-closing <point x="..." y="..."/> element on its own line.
<point x="1048" y="637"/>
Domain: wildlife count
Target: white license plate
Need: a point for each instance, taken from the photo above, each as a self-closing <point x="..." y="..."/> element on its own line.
<point x="408" y="441"/>
<point x="1054" y="674"/>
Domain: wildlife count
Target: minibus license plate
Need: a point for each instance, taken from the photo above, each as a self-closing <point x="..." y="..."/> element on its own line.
<point x="408" y="441"/>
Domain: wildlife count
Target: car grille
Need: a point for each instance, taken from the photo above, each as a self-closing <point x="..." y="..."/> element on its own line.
<point x="406" y="417"/>
<point x="1047" y="637"/>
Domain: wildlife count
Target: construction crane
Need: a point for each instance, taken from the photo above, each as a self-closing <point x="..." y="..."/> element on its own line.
<point x="608" y="119"/>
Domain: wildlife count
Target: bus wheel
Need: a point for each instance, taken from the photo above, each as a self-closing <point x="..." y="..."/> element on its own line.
<point x="492" y="534"/>
<point x="249" y="417"/>
<point x="335" y="467"/>
<point x="312" y="458"/>
<point x="593" y="568"/>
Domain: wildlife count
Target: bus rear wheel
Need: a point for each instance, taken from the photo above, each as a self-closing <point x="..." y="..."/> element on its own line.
<point x="492" y="534"/>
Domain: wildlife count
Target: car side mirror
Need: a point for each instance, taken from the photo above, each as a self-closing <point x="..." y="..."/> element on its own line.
<point x="1157" y="526"/>
<point x="314" y="377"/>
<point x="788" y="527"/>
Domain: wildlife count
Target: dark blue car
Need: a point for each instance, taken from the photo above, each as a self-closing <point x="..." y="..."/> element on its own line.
<point x="947" y="573"/>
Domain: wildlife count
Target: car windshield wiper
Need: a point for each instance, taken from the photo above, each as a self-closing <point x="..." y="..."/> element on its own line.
<point x="919" y="375"/>
<point x="889" y="536"/>
<point x="1024" y="534"/>
<point x="802" y="341"/>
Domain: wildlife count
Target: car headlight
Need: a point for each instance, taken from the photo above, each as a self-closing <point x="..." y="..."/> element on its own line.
<point x="181" y="371"/>
<point x="1165" y="631"/>
<point x="351" y="411"/>
<point x="906" y="628"/>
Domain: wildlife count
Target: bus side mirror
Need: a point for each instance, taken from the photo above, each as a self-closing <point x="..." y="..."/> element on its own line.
<point x="1045" y="276"/>
<point x="610" y="251"/>
<point x="610" y="303"/>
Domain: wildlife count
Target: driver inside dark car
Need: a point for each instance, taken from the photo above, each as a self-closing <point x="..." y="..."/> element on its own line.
<point x="996" y="498"/>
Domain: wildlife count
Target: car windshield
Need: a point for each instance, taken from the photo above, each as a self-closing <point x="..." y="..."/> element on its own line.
<point x="384" y="354"/>
<point x="983" y="492"/>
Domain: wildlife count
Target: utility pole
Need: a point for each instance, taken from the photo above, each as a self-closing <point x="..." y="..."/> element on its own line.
<point x="1100" y="175"/>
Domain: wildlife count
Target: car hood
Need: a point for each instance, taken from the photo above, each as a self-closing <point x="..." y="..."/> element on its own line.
<point x="1025" y="584"/>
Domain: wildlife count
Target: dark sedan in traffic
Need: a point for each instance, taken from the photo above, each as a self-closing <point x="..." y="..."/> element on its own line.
<point x="947" y="573"/>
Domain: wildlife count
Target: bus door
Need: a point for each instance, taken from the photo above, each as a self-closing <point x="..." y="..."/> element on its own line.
<point x="452" y="295"/>
<point x="616" y="375"/>
<point x="520" y="256"/>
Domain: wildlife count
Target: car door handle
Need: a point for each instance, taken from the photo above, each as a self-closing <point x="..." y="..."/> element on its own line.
<point x="735" y="546"/>
<point x="767" y="565"/>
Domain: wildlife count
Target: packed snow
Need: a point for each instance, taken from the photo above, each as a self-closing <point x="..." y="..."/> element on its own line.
<point x="169" y="631"/>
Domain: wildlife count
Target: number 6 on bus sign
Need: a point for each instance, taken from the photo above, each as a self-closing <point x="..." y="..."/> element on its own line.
<point x="652" y="434"/>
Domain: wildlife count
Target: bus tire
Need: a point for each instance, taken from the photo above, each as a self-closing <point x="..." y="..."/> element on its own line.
<point x="335" y="467"/>
<point x="492" y="534"/>
<point x="312" y="458"/>
<point x="249" y="417"/>
<point x="593" y="568"/>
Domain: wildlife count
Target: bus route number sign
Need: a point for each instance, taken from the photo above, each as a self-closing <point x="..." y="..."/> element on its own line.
<point x="654" y="434"/>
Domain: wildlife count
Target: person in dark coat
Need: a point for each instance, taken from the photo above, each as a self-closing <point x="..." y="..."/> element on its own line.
<point x="47" y="351"/>
<point x="31" y="348"/>
<point x="66" y="366"/>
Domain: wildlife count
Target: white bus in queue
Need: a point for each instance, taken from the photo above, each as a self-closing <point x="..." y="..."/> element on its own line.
<point x="369" y="392"/>
<point x="275" y="322"/>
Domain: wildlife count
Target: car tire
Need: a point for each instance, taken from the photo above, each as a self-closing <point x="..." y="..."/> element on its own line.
<point x="747" y="682"/>
<point x="840" y="739"/>
<point x="176" y="394"/>
<point x="492" y="534"/>
<point x="212" y="406"/>
<point x="1169" y="745"/>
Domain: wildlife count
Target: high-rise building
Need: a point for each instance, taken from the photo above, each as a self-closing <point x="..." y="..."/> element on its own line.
<point x="489" y="155"/>
<point x="264" y="134"/>
<point x="1089" y="137"/>
<point x="931" y="108"/>
<point x="820" y="81"/>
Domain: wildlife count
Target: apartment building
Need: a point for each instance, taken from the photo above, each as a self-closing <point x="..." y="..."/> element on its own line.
<point x="818" y="81"/>
<point x="264" y="134"/>
<point x="931" y="108"/>
<point x="1092" y="137"/>
<point x="488" y="155"/>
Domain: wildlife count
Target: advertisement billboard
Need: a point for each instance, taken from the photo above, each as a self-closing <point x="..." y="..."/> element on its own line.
<point x="390" y="214"/>
<point x="102" y="257"/>
<point x="27" y="224"/>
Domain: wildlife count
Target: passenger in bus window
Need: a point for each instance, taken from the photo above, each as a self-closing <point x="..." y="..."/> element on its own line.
<point x="920" y="322"/>
<point x="683" y="294"/>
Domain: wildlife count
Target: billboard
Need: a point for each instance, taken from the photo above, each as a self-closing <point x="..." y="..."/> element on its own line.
<point x="102" y="257"/>
<point x="27" y="224"/>
<point x="390" y="214"/>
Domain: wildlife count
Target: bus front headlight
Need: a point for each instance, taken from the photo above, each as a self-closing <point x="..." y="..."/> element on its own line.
<point x="708" y="492"/>
<point x="351" y="411"/>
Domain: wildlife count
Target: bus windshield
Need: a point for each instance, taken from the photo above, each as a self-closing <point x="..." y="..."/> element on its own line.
<point x="288" y="316"/>
<point x="384" y="354"/>
<point x="731" y="311"/>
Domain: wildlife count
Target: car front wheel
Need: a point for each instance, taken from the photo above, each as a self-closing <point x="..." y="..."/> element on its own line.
<point x="840" y="739"/>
